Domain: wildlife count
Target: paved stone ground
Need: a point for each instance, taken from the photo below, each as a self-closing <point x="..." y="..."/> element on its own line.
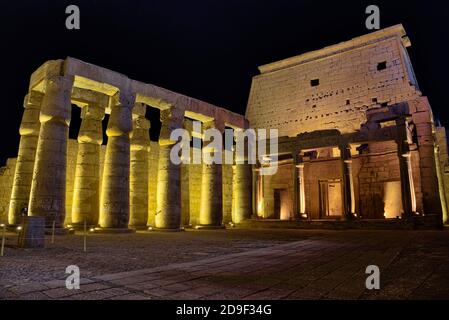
<point x="233" y="264"/>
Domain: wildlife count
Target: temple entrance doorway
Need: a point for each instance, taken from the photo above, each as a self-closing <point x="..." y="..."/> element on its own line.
<point x="281" y="204"/>
<point x="331" y="202"/>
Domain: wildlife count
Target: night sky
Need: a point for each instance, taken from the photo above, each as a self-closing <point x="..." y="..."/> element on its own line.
<point x="205" y="49"/>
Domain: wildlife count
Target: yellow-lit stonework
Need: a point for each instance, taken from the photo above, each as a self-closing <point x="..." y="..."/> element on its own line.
<point x="129" y="183"/>
<point x="357" y="137"/>
<point x="357" y="142"/>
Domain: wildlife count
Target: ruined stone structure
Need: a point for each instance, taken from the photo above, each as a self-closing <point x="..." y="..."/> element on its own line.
<point x="358" y="137"/>
<point x="130" y="182"/>
<point x="357" y="142"/>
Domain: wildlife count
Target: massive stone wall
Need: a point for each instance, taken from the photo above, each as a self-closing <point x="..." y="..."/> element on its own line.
<point x="379" y="181"/>
<point x="331" y="88"/>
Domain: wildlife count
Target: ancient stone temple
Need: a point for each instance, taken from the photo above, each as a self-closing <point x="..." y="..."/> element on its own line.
<point x="357" y="142"/>
<point x="357" y="136"/>
<point x="130" y="182"/>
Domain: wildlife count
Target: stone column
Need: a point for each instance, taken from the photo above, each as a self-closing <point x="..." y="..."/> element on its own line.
<point x="301" y="191"/>
<point x="114" y="203"/>
<point x="348" y="185"/>
<point x="48" y="188"/>
<point x="405" y="168"/>
<point x="138" y="180"/>
<point x="295" y="188"/>
<point x="255" y="177"/>
<point x="241" y="186"/>
<point x="211" y="207"/>
<point x="86" y="190"/>
<point x="168" y="208"/>
<point x="185" y="181"/>
<point x="260" y="193"/>
<point x="29" y="133"/>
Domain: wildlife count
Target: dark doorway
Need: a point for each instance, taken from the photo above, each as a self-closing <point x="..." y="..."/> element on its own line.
<point x="331" y="201"/>
<point x="281" y="204"/>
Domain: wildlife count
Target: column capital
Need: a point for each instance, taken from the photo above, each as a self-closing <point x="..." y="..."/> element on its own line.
<point x="140" y="138"/>
<point x="345" y="151"/>
<point x="56" y="102"/>
<point x="91" y="130"/>
<point x="33" y="100"/>
<point x="214" y="124"/>
<point x="93" y="111"/>
<point x="300" y="165"/>
<point x="171" y="118"/>
<point x="124" y="99"/>
<point x="30" y="124"/>
<point x="139" y="109"/>
<point x="120" y="120"/>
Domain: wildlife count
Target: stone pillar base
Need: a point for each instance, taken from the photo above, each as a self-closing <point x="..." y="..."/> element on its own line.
<point x="59" y="231"/>
<point x="80" y="226"/>
<point x="165" y="229"/>
<point x="32" y="234"/>
<point x="205" y="227"/>
<point x="113" y="230"/>
<point x="139" y="228"/>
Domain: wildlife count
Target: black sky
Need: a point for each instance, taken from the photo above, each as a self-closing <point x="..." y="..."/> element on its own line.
<point x="205" y="49"/>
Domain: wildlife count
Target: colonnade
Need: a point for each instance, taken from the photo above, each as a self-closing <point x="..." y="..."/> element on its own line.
<point x="117" y="199"/>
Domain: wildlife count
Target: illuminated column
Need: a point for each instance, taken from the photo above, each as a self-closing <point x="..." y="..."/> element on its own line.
<point x="168" y="208"/>
<point x="260" y="193"/>
<point x="114" y="204"/>
<point x="348" y="184"/>
<point x="241" y="186"/>
<point x="301" y="192"/>
<point x="29" y="132"/>
<point x="138" y="179"/>
<point x="405" y="168"/>
<point x="211" y="207"/>
<point x="47" y="196"/>
<point x="295" y="202"/>
<point x="86" y="190"/>
<point x="254" y="185"/>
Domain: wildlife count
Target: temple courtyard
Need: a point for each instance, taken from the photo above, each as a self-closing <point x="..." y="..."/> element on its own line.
<point x="232" y="264"/>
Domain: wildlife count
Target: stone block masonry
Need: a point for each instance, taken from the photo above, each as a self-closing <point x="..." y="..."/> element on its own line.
<point x="358" y="139"/>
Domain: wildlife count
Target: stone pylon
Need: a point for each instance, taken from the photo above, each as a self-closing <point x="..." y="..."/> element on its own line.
<point x="211" y="208"/>
<point x="86" y="191"/>
<point x="138" y="181"/>
<point x="48" y="188"/>
<point x="168" y="211"/>
<point x="114" y="203"/>
<point x="29" y="134"/>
